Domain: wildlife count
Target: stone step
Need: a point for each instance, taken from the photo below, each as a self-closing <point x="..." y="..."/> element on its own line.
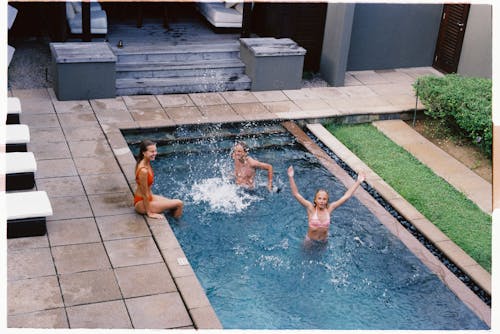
<point x="182" y="85"/>
<point x="184" y="52"/>
<point x="178" y="69"/>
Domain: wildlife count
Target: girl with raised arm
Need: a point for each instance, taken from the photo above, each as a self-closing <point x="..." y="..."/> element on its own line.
<point x="319" y="211"/>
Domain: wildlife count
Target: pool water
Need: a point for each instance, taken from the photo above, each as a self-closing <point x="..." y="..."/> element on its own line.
<point x="246" y="246"/>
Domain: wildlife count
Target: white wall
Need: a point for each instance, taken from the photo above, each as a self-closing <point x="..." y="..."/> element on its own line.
<point x="476" y="55"/>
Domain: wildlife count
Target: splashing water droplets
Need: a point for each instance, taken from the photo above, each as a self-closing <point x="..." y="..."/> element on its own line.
<point x="222" y="195"/>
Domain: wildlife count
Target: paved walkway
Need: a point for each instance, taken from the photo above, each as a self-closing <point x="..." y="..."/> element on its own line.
<point x="100" y="264"/>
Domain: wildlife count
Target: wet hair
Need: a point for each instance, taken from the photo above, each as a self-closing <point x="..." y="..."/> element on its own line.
<point x="243" y="145"/>
<point x="143" y="147"/>
<point x="316" y="194"/>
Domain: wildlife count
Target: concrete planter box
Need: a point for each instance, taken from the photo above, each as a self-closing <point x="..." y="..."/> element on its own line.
<point x="83" y="71"/>
<point x="272" y="64"/>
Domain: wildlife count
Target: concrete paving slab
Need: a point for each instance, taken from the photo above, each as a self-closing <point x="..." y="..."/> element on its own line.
<point x="69" y="106"/>
<point x="107" y="183"/>
<point x="114" y="116"/>
<point x="55" y="168"/>
<point x="46" y="135"/>
<point x="190" y="115"/>
<point x="93" y="132"/>
<point x="55" y="318"/>
<point x="220" y="113"/>
<point x="207" y="99"/>
<point x="153" y="114"/>
<point x="59" y="150"/>
<point x="357" y="91"/>
<point x="96" y="165"/>
<point x="29" y="263"/>
<point x="89" y="287"/>
<point x="72" y="231"/>
<point x="175" y="100"/>
<point x="281" y="107"/>
<point x="270" y="96"/>
<point x="253" y="111"/>
<point x="35" y="294"/>
<point x="145" y="280"/>
<point x="192" y="292"/>
<point x="158" y="311"/>
<point x="112" y="104"/>
<point x="132" y="252"/>
<point x="141" y="101"/>
<point x="76" y="258"/>
<point x="70" y="207"/>
<point x="111" y="204"/>
<point x="122" y="227"/>
<point x="40" y="120"/>
<point x="34" y="101"/>
<point x="110" y="315"/>
<point x="236" y="97"/>
<point x="312" y="104"/>
<point x="369" y="77"/>
<point x="90" y="148"/>
<point x="205" y="317"/>
<point x="27" y="243"/>
<point x="71" y="120"/>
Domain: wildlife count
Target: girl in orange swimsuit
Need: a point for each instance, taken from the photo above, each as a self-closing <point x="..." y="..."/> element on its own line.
<point x="144" y="201"/>
<point x="320" y="210"/>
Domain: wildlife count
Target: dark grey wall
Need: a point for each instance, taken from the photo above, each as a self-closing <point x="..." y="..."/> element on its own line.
<point x="386" y="36"/>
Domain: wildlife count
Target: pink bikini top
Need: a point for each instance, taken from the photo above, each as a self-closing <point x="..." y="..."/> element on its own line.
<point x="316" y="222"/>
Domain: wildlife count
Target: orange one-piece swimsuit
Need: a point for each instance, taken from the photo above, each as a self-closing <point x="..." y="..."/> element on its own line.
<point x="138" y="198"/>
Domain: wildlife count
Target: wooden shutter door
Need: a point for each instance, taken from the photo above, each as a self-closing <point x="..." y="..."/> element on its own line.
<point x="451" y="36"/>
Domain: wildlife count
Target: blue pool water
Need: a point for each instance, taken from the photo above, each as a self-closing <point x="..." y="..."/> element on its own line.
<point x="246" y="246"/>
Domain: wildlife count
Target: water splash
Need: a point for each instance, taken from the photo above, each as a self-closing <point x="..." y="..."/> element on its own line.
<point x="222" y="195"/>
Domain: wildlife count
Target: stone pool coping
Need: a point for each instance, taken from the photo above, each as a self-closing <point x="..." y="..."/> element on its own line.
<point x="468" y="265"/>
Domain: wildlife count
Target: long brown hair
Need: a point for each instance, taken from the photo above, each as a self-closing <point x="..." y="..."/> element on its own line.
<point x="143" y="147"/>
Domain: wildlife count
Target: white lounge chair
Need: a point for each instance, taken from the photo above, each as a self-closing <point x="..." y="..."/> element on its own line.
<point x="222" y="14"/>
<point x="12" y="13"/>
<point x="13" y="110"/>
<point x="17" y="136"/>
<point x="98" y="18"/>
<point x="10" y="54"/>
<point x="27" y="213"/>
<point x="20" y="168"/>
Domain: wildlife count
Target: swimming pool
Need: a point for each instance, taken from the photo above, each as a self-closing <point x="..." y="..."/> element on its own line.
<point x="245" y="246"/>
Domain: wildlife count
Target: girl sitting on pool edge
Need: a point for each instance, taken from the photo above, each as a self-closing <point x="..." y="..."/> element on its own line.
<point x="245" y="167"/>
<point x="319" y="211"/>
<point x="144" y="201"/>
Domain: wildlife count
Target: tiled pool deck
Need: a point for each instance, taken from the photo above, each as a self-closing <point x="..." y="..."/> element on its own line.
<point x="103" y="266"/>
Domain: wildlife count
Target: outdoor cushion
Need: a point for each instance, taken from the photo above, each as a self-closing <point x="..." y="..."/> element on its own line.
<point x="16" y="137"/>
<point x="10" y="54"/>
<point x="20" y="168"/>
<point x="12" y="13"/>
<point x="26" y="213"/>
<point x="98" y="18"/>
<point x="219" y="16"/>
<point x="13" y="110"/>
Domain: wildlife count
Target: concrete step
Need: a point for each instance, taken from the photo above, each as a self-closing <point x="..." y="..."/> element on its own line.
<point x="155" y="86"/>
<point x="205" y="68"/>
<point x="184" y="52"/>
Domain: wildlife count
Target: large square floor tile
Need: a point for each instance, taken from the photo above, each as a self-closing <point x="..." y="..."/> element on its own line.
<point x="29" y="263"/>
<point x="55" y="318"/>
<point x="77" y="258"/>
<point x="72" y="231"/>
<point x="158" y="311"/>
<point x="149" y="279"/>
<point x="35" y="294"/>
<point x="107" y="315"/>
<point x="89" y="287"/>
<point x="122" y="226"/>
<point x="130" y="252"/>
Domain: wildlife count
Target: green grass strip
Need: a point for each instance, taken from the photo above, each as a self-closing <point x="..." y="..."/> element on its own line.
<point x="453" y="213"/>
